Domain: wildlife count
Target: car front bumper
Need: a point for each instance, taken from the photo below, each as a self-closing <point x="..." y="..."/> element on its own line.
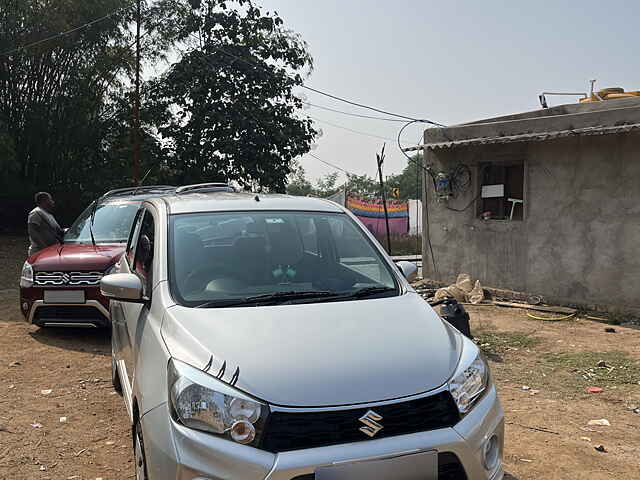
<point x="176" y="452"/>
<point x="93" y="312"/>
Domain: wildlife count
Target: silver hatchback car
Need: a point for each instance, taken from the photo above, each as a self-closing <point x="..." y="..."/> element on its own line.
<point x="271" y="337"/>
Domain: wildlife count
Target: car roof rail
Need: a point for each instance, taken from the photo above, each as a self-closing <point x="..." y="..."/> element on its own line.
<point x="140" y="189"/>
<point x="205" y="188"/>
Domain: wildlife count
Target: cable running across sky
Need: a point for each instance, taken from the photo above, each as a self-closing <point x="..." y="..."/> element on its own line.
<point x="67" y="32"/>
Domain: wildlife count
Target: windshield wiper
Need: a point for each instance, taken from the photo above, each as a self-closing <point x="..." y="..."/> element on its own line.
<point x="279" y="297"/>
<point x="368" y="291"/>
<point x="268" y="297"/>
<point x="93" y="216"/>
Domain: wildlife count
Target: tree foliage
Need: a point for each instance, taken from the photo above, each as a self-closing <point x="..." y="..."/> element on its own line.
<point x="53" y="94"/>
<point x="363" y="185"/>
<point x="66" y="102"/>
<point x="229" y="101"/>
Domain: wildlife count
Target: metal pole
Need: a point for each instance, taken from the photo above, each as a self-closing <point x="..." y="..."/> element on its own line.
<point x="380" y="158"/>
<point x="136" y="104"/>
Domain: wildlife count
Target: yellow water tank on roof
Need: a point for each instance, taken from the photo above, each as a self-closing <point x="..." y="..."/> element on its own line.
<point x="608" y="91"/>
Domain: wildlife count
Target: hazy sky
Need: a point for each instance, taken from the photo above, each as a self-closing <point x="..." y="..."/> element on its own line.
<point x="451" y="61"/>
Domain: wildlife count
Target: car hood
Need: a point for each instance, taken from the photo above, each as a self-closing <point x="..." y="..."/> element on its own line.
<point x="76" y="257"/>
<point x="322" y="354"/>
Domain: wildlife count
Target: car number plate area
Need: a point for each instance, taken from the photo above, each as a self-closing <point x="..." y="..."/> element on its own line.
<point x="417" y="466"/>
<point x="64" y="296"/>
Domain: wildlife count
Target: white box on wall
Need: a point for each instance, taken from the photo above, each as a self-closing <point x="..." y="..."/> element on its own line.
<point x="492" y="191"/>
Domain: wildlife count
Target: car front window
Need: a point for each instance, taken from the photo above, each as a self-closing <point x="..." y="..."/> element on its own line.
<point x="217" y="259"/>
<point x="111" y="223"/>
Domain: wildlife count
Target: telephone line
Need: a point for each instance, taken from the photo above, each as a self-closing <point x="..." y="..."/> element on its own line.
<point x="372" y="135"/>
<point x="335" y="97"/>
<point x="355" y="114"/>
<point x="67" y="32"/>
<point x="332" y="165"/>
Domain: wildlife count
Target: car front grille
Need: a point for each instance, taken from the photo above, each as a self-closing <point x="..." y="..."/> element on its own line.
<point x="68" y="315"/>
<point x="449" y="468"/>
<point x="64" y="279"/>
<point x="286" y="431"/>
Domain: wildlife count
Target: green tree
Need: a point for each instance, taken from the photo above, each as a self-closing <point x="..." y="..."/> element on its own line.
<point x="362" y="185"/>
<point x="327" y="185"/>
<point x="224" y="111"/>
<point x="53" y="95"/>
<point x="406" y="180"/>
<point x="229" y="104"/>
<point x="298" y="184"/>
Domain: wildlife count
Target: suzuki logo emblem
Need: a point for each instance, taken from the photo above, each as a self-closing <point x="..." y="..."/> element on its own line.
<point x="66" y="278"/>
<point x="372" y="427"/>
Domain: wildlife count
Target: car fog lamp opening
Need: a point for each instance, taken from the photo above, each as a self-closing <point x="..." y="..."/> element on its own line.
<point x="241" y="408"/>
<point x="491" y="453"/>
<point x="468" y="385"/>
<point x="243" y="432"/>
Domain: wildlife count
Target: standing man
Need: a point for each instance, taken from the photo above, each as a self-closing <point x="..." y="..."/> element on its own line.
<point x="43" y="229"/>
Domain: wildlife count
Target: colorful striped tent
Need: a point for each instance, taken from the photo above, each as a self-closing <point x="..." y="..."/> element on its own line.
<point x="371" y="214"/>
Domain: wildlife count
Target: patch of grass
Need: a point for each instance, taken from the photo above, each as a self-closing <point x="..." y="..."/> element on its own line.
<point x="619" y="369"/>
<point x="493" y="342"/>
<point x="402" y="244"/>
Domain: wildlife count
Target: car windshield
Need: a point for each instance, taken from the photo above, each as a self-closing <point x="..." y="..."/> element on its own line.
<point x="236" y="258"/>
<point x="111" y="223"/>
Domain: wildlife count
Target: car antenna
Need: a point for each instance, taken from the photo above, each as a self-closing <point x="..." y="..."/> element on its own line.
<point x="142" y="181"/>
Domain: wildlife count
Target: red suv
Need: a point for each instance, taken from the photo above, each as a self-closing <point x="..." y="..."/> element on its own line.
<point x="60" y="285"/>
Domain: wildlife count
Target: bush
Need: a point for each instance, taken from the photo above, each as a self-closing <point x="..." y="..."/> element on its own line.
<point x="402" y="244"/>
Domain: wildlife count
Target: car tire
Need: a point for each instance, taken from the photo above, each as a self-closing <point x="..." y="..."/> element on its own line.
<point x="115" y="377"/>
<point x="138" y="454"/>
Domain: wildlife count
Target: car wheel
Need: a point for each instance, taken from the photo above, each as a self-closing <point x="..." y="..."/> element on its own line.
<point x="115" y="378"/>
<point x="139" y="457"/>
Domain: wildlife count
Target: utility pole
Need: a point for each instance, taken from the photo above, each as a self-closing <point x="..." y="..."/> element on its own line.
<point x="135" y="133"/>
<point x="380" y="158"/>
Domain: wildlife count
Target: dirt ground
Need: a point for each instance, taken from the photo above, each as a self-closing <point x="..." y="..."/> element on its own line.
<point x="548" y="436"/>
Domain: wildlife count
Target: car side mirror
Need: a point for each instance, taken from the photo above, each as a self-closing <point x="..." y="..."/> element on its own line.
<point x="408" y="269"/>
<point x="125" y="287"/>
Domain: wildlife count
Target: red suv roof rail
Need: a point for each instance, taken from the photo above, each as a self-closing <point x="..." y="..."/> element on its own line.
<point x="205" y="188"/>
<point x="140" y="189"/>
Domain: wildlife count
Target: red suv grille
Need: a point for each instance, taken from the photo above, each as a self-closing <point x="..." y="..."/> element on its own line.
<point x="70" y="279"/>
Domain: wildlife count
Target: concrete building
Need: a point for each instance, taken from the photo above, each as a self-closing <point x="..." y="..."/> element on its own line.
<point x="545" y="202"/>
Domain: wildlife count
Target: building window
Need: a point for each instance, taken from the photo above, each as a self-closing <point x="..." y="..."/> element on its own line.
<point x="501" y="191"/>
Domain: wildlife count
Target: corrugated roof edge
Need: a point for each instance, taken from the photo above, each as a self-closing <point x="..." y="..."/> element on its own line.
<point x="536" y="137"/>
<point x="535" y="127"/>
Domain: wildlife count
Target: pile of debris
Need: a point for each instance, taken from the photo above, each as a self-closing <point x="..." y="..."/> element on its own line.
<point x="463" y="290"/>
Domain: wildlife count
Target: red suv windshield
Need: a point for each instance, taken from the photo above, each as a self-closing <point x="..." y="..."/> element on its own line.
<point x="111" y="223"/>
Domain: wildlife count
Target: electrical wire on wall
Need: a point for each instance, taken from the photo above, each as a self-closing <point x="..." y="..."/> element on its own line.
<point x="464" y="209"/>
<point x="425" y="228"/>
<point x="460" y="179"/>
<point x="460" y="187"/>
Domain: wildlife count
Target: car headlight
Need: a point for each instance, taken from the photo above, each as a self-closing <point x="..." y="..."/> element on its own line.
<point x="26" y="278"/>
<point x="202" y="402"/>
<point x="471" y="378"/>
